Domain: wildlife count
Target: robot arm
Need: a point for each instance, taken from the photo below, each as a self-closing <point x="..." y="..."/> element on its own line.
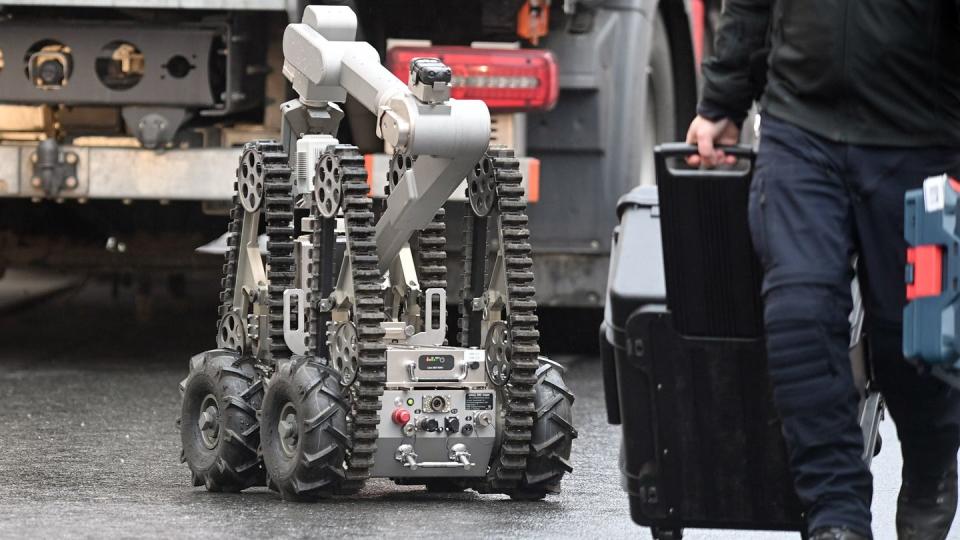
<point x="449" y="137"/>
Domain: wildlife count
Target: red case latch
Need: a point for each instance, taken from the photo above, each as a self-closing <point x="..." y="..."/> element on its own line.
<point x="927" y="264"/>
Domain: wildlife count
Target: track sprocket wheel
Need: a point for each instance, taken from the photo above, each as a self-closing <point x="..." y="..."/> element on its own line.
<point x="328" y="189"/>
<point x="343" y="345"/>
<point x="232" y="333"/>
<point x="250" y="179"/>
<point x="219" y="432"/>
<point x="481" y="187"/>
<point x="497" y="349"/>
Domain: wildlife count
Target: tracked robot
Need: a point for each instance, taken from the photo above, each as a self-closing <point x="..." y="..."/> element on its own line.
<point x="332" y="364"/>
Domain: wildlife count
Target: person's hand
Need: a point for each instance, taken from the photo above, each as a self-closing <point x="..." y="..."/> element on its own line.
<point x="707" y="135"/>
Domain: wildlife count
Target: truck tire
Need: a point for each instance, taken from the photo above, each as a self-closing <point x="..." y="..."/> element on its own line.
<point x="659" y="121"/>
<point x="304" y="425"/>
<point x="553" y="435"/>
<point x="219" y="432"/>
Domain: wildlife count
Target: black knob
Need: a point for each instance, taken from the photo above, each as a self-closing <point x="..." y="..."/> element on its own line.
<point x="451" y="424"/>
<point x="428" y="424"/>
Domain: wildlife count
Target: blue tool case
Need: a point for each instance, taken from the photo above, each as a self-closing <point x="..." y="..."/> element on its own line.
<point x="933" y="267"/>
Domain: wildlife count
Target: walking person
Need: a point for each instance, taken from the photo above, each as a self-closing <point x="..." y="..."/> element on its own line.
<point x="861" y="102"/>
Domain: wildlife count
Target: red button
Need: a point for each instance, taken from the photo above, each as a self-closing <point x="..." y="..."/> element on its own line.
<point x="400" y="416"/>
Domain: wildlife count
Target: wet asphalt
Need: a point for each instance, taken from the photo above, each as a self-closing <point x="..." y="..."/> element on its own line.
<point x="89" y="447"/>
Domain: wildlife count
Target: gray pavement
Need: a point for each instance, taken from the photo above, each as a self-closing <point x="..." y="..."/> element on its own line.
<point x="88" y="388"/>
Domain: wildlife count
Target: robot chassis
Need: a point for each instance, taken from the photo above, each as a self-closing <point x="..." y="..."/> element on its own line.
<point x="332" y="365"/>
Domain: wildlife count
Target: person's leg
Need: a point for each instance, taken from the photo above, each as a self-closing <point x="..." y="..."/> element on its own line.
<point x="801" y="222"/>
<point x="926" y="410"/>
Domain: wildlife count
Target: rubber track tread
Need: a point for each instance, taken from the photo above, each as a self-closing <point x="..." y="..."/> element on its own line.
<point x="366" y="392"/>
<point x="507" y="471"/>
<point x="432" y="262"/>
<point x="277" y="208"/>
<point x="229" y="272"/>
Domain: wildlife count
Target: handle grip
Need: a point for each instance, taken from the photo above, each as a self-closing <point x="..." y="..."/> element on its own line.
<point x="665" y="151"/>
<point x="680" y="149"/>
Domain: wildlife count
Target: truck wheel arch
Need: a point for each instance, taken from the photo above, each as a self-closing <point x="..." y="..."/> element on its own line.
<point x="674" y="14"/>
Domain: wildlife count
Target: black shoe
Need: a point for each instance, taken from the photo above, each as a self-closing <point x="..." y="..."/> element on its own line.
<point x="925" y="508"/>
<point x="835" y="533"/>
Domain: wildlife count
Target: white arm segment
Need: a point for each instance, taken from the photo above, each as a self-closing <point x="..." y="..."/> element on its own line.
<point x="325" y="64"/>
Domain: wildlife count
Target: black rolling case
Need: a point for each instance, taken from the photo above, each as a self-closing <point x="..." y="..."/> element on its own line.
<point x="684" y="362"/>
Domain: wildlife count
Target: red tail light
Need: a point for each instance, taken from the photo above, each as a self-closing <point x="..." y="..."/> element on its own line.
<point x="505" y="79"/>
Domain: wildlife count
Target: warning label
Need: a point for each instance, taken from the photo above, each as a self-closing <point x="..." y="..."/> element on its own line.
<point x="480" y="401"/>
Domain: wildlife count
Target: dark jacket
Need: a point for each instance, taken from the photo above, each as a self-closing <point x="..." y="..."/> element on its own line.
<point x="874" y="72"/>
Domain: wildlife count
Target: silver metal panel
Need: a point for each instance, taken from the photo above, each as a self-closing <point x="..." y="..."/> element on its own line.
<point x="399" y="357"/>
<point x="263" y="5"/>
<point x="144" y="174"/>
<point x="127" y="173"/>
<point x="9" y="170"/>
<point x="431" y="446"/>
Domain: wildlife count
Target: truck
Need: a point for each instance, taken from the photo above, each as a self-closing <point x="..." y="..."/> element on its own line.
<point x="121" y="121"/>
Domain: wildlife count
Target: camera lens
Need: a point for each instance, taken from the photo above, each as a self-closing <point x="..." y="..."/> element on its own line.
<point x="51" y="72"/>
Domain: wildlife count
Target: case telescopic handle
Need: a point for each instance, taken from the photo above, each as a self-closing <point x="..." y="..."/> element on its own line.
<point x="679" y="149"/>
<point x="663" y="152"/>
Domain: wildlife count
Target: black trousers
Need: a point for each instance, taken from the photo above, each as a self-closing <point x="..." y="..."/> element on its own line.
<point x="815" y="203"/>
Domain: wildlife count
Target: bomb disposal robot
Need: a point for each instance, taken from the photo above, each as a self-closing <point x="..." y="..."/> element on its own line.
<point x="331" y="364"/>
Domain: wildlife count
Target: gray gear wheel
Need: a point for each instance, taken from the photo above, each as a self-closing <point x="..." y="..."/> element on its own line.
<point x="497" y="347"/>
<point x="343" y="346"/>
<point x="481" y="187"/>
<point x="399" y="165"/>
<point x="250" y="178"/>
<point x="232" y="333"/>
<point x="327" y="186"/>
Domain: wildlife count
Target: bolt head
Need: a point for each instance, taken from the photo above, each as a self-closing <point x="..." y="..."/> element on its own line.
<point x="36" y="182"/>
<point x="71" y="182"/>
